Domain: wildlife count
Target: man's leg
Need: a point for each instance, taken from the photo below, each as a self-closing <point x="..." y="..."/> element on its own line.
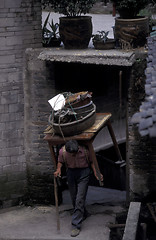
<point x="72" y="185"/>
<point x="82" y="188"/>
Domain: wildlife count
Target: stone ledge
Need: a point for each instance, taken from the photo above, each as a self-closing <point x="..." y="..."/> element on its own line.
<point x="130" y="231"/>
<point x="89" y="56"/>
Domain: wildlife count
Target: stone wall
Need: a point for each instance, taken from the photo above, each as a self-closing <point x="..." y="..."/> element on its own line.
<point x="20" y="28"/>
<point x="142" y="143"/>
<point x="142" y="166"/>
<point x="138" y="164"/>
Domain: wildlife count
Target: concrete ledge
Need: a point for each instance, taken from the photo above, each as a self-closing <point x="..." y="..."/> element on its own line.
<point x="132" y="221"/>
<point x="89" y="56"/>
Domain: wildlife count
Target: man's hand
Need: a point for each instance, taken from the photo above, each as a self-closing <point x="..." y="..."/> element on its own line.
<point x="57" y="173"/>
<point x="99" y="176"/>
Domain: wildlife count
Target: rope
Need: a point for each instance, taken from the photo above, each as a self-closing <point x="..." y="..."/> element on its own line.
<point x="61" y="131"/>
<point x="51" y="118"/>
<point x="73" y="111"/>
<point x="67" y="94"/>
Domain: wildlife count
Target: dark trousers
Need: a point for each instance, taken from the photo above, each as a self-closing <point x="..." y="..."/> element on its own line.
<point x="78" y="179"/>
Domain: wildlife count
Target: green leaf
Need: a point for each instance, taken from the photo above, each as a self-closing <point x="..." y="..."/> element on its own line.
<point x="70" y="7"/>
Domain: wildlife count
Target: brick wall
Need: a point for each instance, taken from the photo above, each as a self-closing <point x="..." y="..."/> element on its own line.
<point x="39" y="87"/>
<point x="20" y="27"/>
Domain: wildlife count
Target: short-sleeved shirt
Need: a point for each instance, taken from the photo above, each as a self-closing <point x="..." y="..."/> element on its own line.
<point x="79" y="160"/>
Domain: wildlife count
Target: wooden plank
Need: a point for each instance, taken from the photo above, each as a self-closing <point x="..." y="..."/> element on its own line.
<point x="101" y="120"/>
<point x="56" y="139"/>
<point x="116" y="225"/>
<point x="149" y="205"/>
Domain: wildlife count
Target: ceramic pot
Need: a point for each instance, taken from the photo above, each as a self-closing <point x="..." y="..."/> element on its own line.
<point x="109" y="44"/>
<point x="132" y="32"/>
<point x="75" y="32"/>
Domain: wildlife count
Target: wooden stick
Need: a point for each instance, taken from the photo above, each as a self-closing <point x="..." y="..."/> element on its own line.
<point x="55" y="186"/>
<point x="116" y="225"/>
<point x="110" y="129"/>
<point x="93" y="156"/>
<point x="151" y="211"/>
<point x="56" y="204"/>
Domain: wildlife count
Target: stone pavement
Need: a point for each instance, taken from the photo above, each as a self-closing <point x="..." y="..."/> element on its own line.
<point x="39" y="222"/>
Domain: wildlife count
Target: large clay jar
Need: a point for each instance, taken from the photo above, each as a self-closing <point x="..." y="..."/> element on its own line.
<point x="132" y="32"/>
<point x="75" y="32"/>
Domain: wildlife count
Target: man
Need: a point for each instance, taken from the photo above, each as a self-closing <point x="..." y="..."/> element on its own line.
<point x="78" y="162"/>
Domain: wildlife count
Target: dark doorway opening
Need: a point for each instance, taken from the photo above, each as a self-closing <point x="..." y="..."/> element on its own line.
<point x="109" y="95"/>
<point x="114" y="174"/>
<point x="109" y="85"/>
<point x="109" y="91"/>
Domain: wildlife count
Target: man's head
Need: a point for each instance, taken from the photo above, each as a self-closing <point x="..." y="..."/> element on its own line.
<point x="72" y="146"/>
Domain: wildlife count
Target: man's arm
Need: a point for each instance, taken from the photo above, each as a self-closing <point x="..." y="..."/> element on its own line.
<point x="57" y="173"/>
<point x="95" y="173"/>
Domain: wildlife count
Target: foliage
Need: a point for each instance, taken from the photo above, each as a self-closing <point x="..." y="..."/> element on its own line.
<point x="150" y="12"/>
<point x="47" y="34"/>
<point x="101" y="37"/>
<point x="70" y="8"/>
<point x="130" y="8"/>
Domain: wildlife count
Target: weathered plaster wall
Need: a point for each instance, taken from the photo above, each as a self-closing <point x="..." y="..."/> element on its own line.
<point x="20" y="27"/>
